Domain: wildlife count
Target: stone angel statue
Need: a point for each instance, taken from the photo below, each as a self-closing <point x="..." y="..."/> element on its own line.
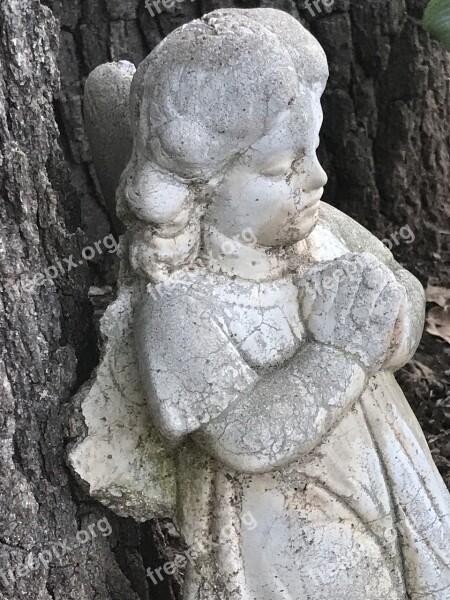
<point x="249" y="359"/>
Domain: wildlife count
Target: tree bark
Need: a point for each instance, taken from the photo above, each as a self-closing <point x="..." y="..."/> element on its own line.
<point x="385" y="146"/>
<point x="48" y="343"/>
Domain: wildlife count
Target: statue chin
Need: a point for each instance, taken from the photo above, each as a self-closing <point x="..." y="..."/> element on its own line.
<point x="304" y="225"/>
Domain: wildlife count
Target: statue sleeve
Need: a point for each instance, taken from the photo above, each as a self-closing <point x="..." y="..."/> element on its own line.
<point x="287" y="413"/>
<point x="190" y="370"/>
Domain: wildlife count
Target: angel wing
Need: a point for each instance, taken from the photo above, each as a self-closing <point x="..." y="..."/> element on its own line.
<point x="121" y="456"/>
<point x="107" y="123"/>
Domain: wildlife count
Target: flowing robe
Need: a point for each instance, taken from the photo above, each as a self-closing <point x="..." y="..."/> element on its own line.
<point x="363" y="514"/>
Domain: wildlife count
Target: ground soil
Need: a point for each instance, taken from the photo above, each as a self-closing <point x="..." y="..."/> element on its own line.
<point x="426" y="383"/>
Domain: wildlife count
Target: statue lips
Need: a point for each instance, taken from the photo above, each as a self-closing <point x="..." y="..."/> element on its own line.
<point x="315" y="195"/>
<point x="313" y="198"/>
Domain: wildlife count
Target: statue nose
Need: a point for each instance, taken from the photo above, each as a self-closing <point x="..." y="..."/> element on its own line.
<point x="316" y="178"/>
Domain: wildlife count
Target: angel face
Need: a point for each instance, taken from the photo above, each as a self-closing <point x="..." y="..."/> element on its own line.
<point x="275" y="187"/>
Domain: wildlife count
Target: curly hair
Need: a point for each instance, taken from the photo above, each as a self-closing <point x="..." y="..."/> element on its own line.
<point x="204" y="95"/>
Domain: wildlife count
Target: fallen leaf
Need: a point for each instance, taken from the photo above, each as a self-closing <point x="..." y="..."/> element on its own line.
<point x="437" y="295"/>
<point x="438" y="322"/>
<point x="419" y="371"/>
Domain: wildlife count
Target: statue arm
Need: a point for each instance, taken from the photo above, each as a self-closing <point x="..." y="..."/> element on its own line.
<point x="190" y="371"/>
<point x="197" y="383"/>
<point x="287" y="413"/>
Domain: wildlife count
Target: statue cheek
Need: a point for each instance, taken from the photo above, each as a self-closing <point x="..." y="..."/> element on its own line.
<point x="298" y="178"/>
<point x="277" y="226"/>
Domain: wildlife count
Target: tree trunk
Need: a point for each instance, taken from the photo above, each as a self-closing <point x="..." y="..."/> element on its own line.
<point x="385" y="146"/>
<point x="48" y="342"/>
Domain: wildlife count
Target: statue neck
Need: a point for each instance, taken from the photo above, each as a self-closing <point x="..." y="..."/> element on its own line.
<point x="235" y="258"/>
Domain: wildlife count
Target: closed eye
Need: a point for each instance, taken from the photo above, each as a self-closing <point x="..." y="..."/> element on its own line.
<point x="274" y="173"/>
<point x="281" y="169"/>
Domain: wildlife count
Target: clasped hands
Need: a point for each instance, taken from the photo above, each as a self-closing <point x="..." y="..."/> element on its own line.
<point x="354" y="303"/>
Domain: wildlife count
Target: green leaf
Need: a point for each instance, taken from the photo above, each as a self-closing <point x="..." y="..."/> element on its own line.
<point x="436" y="20"/>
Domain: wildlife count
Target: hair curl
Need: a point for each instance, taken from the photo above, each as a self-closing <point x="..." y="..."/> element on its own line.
<point x="206" y="93"/>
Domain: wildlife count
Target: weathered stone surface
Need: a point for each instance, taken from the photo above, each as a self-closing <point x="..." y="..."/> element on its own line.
<point x="106" y="118"/>
<point x="122" y="458"/>
<point x="266" y="359"/>
<point x="387" y="92"/>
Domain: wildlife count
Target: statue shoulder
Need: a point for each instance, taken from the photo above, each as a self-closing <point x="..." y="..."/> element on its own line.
<point x="352" y="234"/>
<point x="181" y="300"/>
